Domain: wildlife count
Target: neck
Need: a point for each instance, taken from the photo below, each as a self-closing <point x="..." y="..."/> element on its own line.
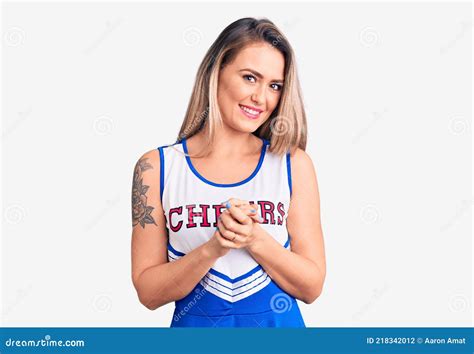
<point x="231" y="144"/>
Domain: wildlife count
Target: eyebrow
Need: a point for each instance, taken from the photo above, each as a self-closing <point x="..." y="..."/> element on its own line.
<point x="257" y="74"/>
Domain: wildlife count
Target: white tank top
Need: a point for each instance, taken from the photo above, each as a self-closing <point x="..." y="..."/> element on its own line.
<point x="192" y="204"/>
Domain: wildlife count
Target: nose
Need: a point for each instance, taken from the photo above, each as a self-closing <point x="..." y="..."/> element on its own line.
<point x="258" y="97"/>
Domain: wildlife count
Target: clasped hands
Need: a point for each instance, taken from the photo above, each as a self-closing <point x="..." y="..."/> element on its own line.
<point x="238" y="224"/>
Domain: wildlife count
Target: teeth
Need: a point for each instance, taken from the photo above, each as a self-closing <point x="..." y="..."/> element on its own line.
<point x="251" y="111"/>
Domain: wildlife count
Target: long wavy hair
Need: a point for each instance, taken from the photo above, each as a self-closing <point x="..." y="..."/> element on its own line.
<point x="286" y="127"/>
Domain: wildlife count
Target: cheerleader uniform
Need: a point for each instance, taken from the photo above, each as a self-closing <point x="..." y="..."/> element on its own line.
<point x="236" y="292"/>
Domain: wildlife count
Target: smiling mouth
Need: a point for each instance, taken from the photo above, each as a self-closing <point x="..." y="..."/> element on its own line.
<point x="250" y="113"/>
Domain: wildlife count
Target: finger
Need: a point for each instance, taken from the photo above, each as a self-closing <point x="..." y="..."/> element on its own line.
<point x="235" y="202"/>
<point x="251" y="210"/>
<point x="256" y="219"/>
<point x="232" y="225"/>
<point x="251" y="213"/>
<point x="238" y="214"/>
<point x="223" y="241"/>
<point x="255" y="212"/>
<point x="226" y="233"/>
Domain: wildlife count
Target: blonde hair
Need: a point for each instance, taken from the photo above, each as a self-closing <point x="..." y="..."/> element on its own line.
<point x="286" y="128"/>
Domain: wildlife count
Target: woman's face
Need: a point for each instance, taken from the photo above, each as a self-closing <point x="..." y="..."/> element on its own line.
<point x="250" y="87"/>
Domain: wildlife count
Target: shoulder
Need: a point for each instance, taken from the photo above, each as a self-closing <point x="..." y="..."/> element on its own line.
<point x="149" y="160"/>
<point x="147" y="170"/>
<point x="301" y="161"/>
<point x="302" y="172"/>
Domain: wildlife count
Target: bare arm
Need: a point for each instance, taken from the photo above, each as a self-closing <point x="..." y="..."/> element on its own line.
<point x="300" y="272"/>
<point x="156" y="281"/>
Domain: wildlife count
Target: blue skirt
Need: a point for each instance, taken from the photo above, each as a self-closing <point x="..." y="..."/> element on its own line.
<point x="264" y="319"/>
<point x="254" y="311"/>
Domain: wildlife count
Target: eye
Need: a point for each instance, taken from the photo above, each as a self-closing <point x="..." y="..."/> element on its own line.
<point x="246" y="76"/>
<point x="278" y="87"/>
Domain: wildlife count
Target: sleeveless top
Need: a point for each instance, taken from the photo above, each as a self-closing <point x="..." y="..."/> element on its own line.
<point x="236" y="292"/>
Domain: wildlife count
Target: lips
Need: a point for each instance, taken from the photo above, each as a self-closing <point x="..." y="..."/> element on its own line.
<point x="252" y="113"/>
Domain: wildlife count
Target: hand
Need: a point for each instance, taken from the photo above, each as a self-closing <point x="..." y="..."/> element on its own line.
<point x="238" y="223"/>
<point x="219" y="244"/>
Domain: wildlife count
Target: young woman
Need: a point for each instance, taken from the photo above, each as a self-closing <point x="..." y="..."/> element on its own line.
<point x="213" y="212"/>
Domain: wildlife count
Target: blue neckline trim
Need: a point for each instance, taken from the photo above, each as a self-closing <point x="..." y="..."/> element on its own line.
<point x="260" y="161"/>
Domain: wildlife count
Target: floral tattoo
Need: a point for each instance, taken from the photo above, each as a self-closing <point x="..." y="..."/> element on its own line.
<point x="141" y="212"/>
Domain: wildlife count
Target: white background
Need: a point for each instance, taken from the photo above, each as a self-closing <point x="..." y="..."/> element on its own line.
<point x="87" y="88"/>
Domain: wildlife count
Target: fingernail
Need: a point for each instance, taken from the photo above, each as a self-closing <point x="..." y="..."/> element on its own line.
<point x="227" y="205"/>
<point x="253" y="210"/>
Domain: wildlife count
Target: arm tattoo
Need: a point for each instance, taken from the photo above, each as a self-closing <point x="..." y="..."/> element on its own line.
<point x="141" y="212"/>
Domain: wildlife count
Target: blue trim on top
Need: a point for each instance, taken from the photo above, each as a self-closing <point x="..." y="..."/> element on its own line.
<point x="235" y="280"/>
<point x="287" y="241"/>
<point x="262" y="155"/>
<point x="174" y="251"/>
<point x="162" y="172"/>
<point x="224" y="286"/>
<point x="288" y="169"/>
<point x="242" y="292"/>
